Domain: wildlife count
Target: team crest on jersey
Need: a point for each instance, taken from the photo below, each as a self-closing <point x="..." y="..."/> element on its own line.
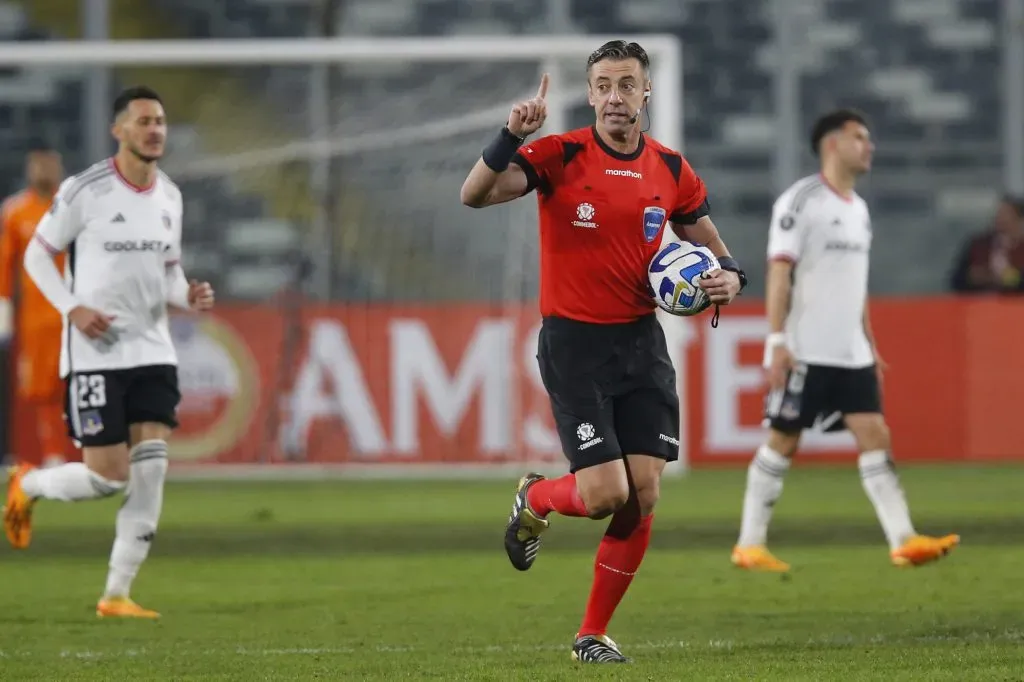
<point x="167" y="220"/>
<point x="92" y="422"/>
<point x="654" y="218"/>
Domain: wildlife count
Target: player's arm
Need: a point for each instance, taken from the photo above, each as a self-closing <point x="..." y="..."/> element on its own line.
<point x="691" y="222"/>
<point x="177" y="285"/>
<point x="785" y="246"/>
<point x="181" y="293"/>
<point x="58" y="228"/>
<point x="495" y="179"/>
<point x="869" y="332"/>
<point x="704" y="233"/>
<point x="8" y="252"/>
<point x="485" y="186"/>
<point x="778" y="289"/>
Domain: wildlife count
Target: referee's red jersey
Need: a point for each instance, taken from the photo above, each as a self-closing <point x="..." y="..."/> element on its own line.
<point x="602" y="214"/>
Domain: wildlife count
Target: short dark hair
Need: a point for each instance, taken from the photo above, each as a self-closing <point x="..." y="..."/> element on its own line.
<point x="831" y="122"/>
<point x="131" y="94"/>
<point x="618" y="50"/>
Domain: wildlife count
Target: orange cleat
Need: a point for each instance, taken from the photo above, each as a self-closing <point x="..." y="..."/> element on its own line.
<point x="18" y="509"/>
<point x="123" y="607"/>
<point x="757" y="558"/>
<point x="922" y="549"/>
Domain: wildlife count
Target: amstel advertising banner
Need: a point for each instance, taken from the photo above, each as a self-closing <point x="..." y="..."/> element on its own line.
<point x="457" y="386"/>
<point x="455" y="389"/>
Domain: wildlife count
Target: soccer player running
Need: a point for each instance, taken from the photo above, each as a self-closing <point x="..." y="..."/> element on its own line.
<point x="120" y="222"/>
<point x="823" y="367"/>
<point x="37" y="325"/>
<point x="605" y="194"/>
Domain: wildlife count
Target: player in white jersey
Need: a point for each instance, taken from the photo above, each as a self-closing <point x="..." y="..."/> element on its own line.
<point x="823" y="368"/>
<point x="120" y="222"/>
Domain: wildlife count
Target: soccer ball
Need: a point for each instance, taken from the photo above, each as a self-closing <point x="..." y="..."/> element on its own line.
<point x="673" y="276"/>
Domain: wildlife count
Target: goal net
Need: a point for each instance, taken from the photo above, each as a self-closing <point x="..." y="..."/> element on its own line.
<point x="369" y="321"/>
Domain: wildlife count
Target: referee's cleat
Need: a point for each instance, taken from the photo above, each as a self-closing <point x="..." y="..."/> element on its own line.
<point x="922" y="549"/>
<point x="18" y="509"/>
<point x="522" y="534"/>
<point x="597" y="649"/>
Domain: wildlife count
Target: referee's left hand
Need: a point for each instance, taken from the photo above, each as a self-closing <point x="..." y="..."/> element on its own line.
<point x="200" y="295"/>
<point x="721" y="286"/>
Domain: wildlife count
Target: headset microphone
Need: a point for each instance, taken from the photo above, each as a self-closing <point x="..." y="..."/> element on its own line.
<point x="636" y="117"/>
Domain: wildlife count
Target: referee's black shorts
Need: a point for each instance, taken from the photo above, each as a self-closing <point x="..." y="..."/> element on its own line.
<point x="612" y="389"/>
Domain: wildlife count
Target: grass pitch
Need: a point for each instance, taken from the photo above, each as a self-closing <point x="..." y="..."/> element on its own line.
<point x="408" y="580"/>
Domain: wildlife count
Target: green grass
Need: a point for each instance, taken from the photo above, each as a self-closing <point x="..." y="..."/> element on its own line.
<point x="408" y="580"/>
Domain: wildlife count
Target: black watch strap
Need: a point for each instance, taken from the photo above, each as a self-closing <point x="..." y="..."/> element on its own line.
<point x="730" y="264"/>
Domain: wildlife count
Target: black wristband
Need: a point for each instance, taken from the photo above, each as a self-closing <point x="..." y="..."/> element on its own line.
<point x="498" y="154"/>
<point x="729" y="264"/>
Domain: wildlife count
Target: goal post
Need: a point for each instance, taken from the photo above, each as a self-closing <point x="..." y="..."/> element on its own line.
<point x="302" y="136"/>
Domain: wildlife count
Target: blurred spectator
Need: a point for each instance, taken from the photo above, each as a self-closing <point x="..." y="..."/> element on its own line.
<point x="993" y="261"/>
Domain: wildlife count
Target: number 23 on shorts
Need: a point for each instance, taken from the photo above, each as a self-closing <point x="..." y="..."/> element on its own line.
<point x="91" y="391"/>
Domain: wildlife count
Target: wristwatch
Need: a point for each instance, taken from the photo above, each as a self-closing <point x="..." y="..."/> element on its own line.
<point x="729" y="264"/>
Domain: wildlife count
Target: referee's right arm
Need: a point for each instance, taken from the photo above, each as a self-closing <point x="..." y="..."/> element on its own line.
<point x="486" y="187"/>
<point x="495" y="179"/>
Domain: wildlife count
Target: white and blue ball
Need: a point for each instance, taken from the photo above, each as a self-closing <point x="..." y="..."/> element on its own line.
<point x="673" y="275"/>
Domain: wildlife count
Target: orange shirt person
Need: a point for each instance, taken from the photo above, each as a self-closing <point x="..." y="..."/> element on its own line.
<point x="36" y="324"/>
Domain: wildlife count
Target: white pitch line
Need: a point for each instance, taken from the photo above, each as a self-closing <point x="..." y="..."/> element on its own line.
<point x="833" y="641"/>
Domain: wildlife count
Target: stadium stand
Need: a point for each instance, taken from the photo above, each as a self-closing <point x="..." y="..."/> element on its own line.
<point x="921" y="70"/>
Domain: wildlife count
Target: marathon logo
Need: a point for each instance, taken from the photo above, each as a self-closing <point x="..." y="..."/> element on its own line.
<point x="669" y="439"/>
<point x="625" y="174"/>
<point x="140" y="245"/>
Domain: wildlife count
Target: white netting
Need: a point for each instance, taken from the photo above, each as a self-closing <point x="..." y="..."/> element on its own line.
<point x="371" y="189"/>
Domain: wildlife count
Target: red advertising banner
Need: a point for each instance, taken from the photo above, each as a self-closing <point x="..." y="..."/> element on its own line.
<point x="455" y="387"/>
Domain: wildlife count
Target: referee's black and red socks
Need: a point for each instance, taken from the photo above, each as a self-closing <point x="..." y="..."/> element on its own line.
<point x="556" y="495"/>
<point x="618" y="559"/>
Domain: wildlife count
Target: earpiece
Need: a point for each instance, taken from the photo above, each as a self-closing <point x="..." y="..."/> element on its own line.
<point x="636" y="117"/>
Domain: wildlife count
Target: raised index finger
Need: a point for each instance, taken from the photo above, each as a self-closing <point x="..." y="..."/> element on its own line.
<point x="542" y="91"/>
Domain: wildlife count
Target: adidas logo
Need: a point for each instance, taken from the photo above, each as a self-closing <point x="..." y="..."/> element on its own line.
<point x="119" y="218"/>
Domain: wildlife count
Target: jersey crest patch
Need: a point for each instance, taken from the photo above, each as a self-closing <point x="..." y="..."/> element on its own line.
<point x="92" y="422"/>
<point x="654" y="218"/>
